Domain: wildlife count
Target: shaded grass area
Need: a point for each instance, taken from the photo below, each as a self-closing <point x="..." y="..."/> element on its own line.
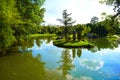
<point x="41" y="35"/>
<point x="73" y="44"/>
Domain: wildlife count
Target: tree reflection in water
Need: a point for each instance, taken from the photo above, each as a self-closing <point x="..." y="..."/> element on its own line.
<point x="24" y="44"/>
<point x="79" y="52"/>
<point x="76" y="52"/>
<point x="103" y="43"/>
<point x="23" y="66"/>
<point x="66" y="63"/>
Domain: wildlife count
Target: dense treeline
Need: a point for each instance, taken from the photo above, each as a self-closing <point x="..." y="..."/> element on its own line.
<point x="97" y="30"/>
<point x="106" y="27"/>
<point x="19" y="18"/>
<point x="49" y="29"/>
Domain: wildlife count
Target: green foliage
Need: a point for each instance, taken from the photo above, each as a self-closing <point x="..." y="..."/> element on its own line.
<point x="49" y="29"/>
<point x="104" y="43"/>
<point x="8" y="40"/>
<point x="31" y="14"/>
<point x="66" y="62"/>
<point x="73" y="44"/>
<point x="110" y="25"/>
<point x="67" y="22"/>
<point x="115" y="3"/>
<point x="113" y="22"/>
<point x="78" y="29"/>
<point x="99" y="30"/>
<point x="86" y="30"/>
<point x="18" y="19"/>
<point x="8" y="14"/>
<point x="42" y="35"/>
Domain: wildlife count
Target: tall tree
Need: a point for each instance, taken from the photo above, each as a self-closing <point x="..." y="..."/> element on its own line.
<point x="67" y="22"/>
<point x="94" y="20"/>
<point x="110" y="25"/>
<point x="31" y="14"/>
<point x="19" y="17"/>
<point x="8" y="17"/>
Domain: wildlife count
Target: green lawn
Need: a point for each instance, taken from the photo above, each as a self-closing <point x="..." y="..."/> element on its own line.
<point x="73" y="44"/>
<point x="42" y="35"/>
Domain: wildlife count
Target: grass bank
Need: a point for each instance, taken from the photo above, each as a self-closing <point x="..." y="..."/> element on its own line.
<point x="73" y="44"/>
<point x="41" y="35"/>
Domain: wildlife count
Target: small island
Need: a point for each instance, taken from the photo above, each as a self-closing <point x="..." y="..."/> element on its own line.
<point x="71" y="38"/>
<point x="73" y="44"/>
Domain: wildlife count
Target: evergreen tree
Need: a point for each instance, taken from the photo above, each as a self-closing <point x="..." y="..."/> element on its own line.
<point x="67" y="22"/>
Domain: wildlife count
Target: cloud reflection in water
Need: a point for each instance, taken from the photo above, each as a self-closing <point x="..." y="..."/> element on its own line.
<point x="91" y="64"/>
<point x="70" y="77"/>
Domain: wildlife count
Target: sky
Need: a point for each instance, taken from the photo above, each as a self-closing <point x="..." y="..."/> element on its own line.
<point x="82" y="10"/>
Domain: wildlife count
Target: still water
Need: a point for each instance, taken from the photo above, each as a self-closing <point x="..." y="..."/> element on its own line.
<point x="41" y="60"/>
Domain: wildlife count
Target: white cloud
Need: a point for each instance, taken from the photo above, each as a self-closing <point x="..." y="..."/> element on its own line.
<point x="91" y="64"/>
<point x="82" y="10"/>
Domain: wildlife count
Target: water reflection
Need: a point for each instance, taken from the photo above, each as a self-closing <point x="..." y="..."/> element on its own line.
<point x="76" y="52"/>
<point x="66" y="62"/>
<point x="103" y="43"/>
<point x="24" y="44"/>
<point x="45" y="61"/>
<point x="23" y="66"/>
<point x="92" y="64"/>
<point x="29" y="43"/>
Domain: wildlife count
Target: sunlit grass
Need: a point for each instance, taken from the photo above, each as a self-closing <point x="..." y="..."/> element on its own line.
<point x="42" y="35"/>
<point x="73" y="44"/>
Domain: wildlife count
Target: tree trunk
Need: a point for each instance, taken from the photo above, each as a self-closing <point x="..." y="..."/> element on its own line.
<point x="79" y="36"/>
<point x="74" y="35"/>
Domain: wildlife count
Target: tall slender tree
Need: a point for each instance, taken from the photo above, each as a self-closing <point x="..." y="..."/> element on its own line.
<point x="67" y="22"/>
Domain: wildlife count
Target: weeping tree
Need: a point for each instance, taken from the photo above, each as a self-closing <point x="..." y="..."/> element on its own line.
<point x="67" y="22"/>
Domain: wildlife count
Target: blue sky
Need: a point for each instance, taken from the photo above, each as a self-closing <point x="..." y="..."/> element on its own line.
<point x="82" y="10"/>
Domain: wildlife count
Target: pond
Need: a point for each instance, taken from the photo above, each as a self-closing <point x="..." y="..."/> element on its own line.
<point x="39" y="59"/>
